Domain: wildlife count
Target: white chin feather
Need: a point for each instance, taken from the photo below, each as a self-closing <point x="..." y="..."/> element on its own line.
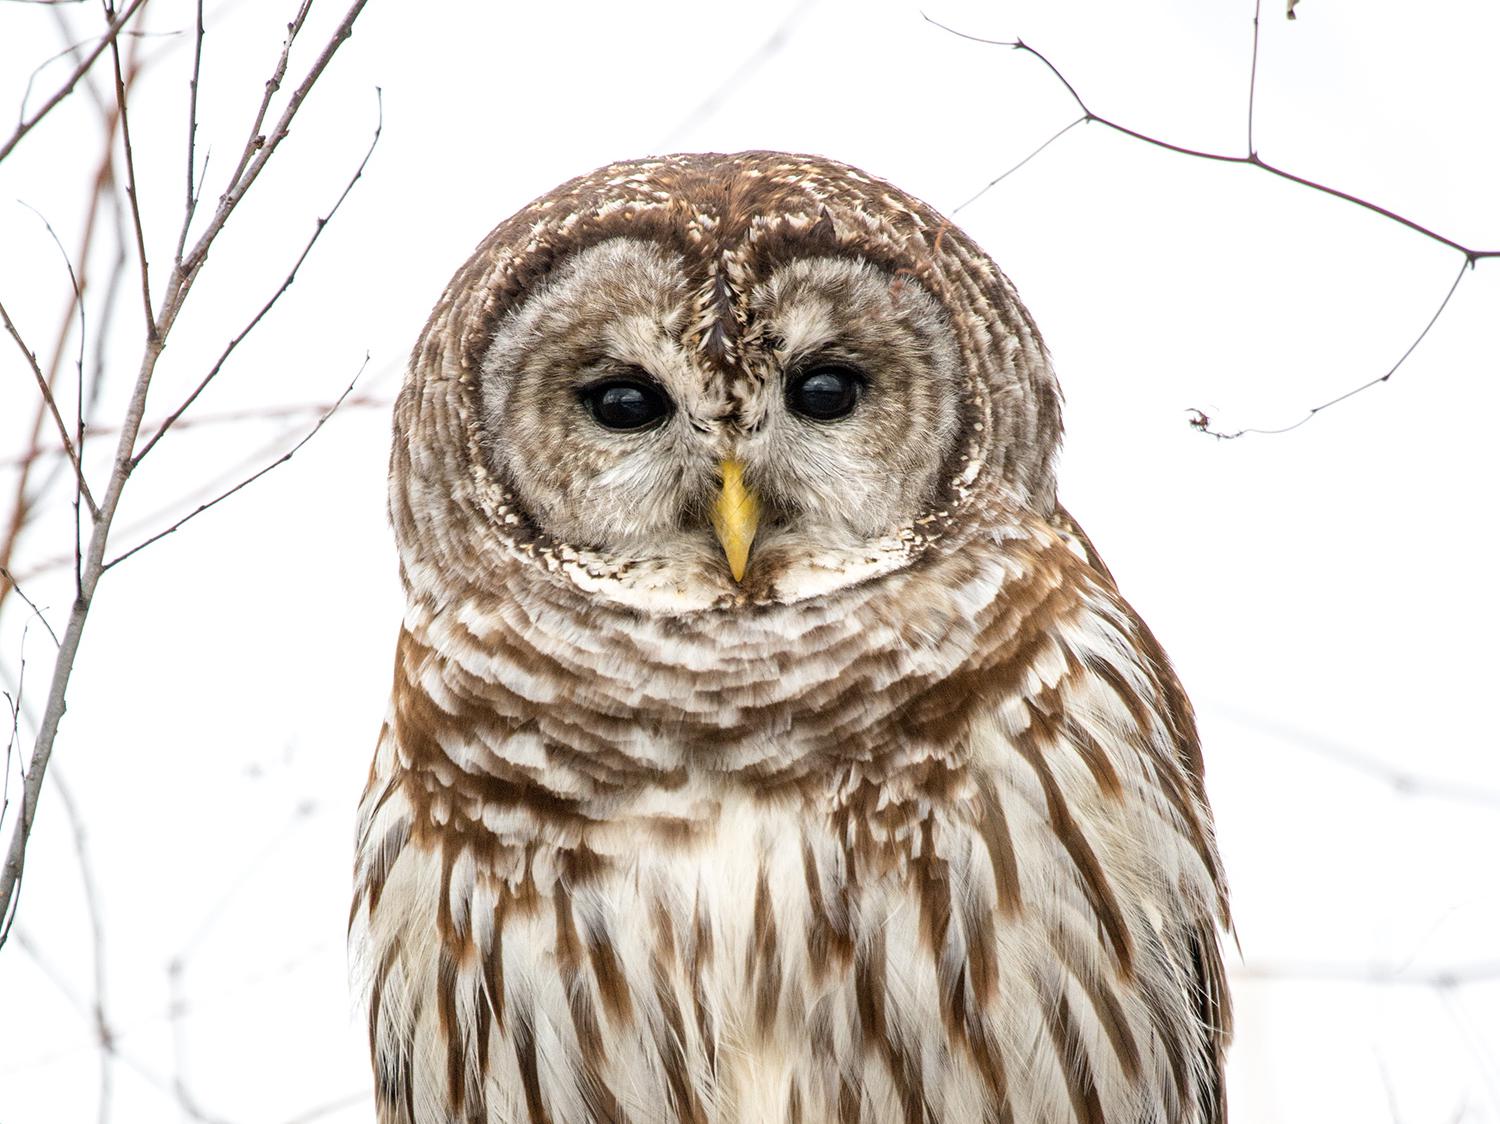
<point x="693" y="580"/>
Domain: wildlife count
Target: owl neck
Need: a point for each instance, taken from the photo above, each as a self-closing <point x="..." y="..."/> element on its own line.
<point x="496" y="681"/>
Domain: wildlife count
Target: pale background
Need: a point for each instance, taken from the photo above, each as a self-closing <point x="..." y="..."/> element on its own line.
<point x="1327" y="595"/>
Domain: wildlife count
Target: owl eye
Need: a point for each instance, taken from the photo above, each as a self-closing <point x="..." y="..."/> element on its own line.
<point x="824" y="393"/>
<point x="626" y="404"/>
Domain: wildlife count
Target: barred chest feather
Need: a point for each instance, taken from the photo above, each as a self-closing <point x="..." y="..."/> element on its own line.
<point x="930" y="850"/>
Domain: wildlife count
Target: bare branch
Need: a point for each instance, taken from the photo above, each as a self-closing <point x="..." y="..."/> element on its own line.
<point x="70" y="50"/>
<point x="80" y="483"/>
<point x="178" y="1003"/>
<point x="210" y="487"/>
<point x="13" y="736"/>
<point x="1198" y="419"/>
<point x="258" y="152"/>
<point x="1403" y="781"/>
<point x="364" y="400"/>
<point x="1035" y="152"/>
<point x="58" y="979"/>
<point x="102" y="189"/>
<point x="232" y="886"/>
<point x="1384" y="975"/>
<point x="1202" y="421"/>
<point x="107" y="40"/>
<point x="257" y="138"/>
<point x="190" y="206"/>
<point x="36" y="612"/>
<point x="51" y="403"/>
<point x="103" y="1033"/>
<point x="1473" y="1039"/>
<point x="251" y="479"/>
<point x="1254" y="64"/>
<point x="36" y="771"/>
<point x="1249" y="158"/>
<point x="131" y="193"/>
<point x="91" y="566"/>
<point x="286" y="284"/>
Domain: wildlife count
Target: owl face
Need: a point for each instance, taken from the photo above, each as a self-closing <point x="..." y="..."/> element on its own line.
<point x="828" y="433"/>
<point x="702" y="381"/>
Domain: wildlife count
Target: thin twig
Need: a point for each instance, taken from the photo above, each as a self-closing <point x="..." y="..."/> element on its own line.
<point x="13" y="735"/>
<point x="152" y="520"/>
<point x="286" y="284"/>
<point x="132" y="195"/>
<point x="41" y="756"/>
<point x="70" y="50"/>
<point x="1254" y="64"/>
<point x="1220" y="157"/>
<point x="364" y="400"/>
<point x="232" y="886"/>
<point x="190" y="206"/>
<point x="48" y="398"/>
<point x="1392" y="1101"/>
<point x="111" y="33"/>
<point x="1037" y="151"/>
<point x="36" y="612"/>
<point x="1403" y="781"/>
<point x="176" y="1005"/>
<point x="257" y="138"/>
<point x="114" y="281"/>
<point x="221" y="999"/>
<point x="57" y="978"/>
<point x="245" y="483"/>
<point x="1385" y="975"/>
<point x="1473" y="1039"/>
<point x="80" y="483"/>
<point x="1203" y="422"/>
<point x="263" y="147"/>
<point x="1198" y="419"/>
<point x="103" y="1033"/>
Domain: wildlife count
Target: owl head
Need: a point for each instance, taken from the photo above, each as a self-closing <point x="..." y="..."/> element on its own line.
<point x="707" y="381"/>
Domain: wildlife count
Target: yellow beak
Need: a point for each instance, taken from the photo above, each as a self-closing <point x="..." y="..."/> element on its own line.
<point x="736" y="514"/>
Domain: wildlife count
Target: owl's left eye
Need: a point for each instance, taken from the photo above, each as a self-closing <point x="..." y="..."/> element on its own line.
<point x="824" y="393"/>
<point x="626" y="404"/>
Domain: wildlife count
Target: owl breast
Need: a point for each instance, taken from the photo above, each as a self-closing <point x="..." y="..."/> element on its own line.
<point x="936" y="865"/>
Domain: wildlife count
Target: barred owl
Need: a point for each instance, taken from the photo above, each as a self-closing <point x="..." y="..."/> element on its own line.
<point x="766" y="742"/>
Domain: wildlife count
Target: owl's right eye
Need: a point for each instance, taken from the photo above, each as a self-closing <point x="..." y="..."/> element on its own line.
<point x="626" y="403"/>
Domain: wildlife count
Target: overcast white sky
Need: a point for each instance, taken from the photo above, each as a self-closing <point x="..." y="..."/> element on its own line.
<point x="1325" y="594"/>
